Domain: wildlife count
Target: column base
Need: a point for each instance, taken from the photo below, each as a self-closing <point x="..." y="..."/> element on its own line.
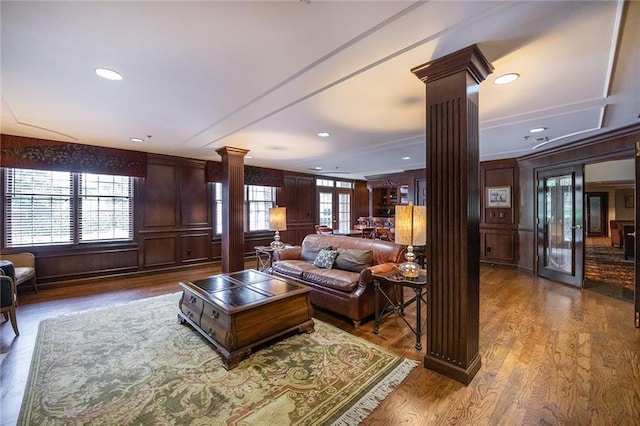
<point x="455" y="372"/>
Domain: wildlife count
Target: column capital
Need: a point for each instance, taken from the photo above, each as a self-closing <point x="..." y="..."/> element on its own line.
<point x="469" y="59"/>
<point x="230" y="150"/>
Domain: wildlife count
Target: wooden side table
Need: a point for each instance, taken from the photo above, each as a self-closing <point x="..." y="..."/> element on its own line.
<point x="398" y="282"/>
<point x="264" y="257"/>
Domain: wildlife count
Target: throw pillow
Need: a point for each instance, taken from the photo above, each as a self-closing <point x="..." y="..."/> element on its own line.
<point x="310" y="251"/>
<point x="325" y="258"/>
<point x="353" y="260"/>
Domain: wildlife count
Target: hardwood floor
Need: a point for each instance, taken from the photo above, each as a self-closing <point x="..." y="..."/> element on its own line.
<point x="551" y="354"/>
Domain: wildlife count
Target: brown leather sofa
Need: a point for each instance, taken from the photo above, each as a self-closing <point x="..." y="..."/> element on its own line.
<point x="344" y="291"/>
<point x="617" y="228"/>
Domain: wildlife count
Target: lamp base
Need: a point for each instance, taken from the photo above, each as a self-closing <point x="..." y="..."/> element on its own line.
<point x="277" y="245"/>
<point x="409" y="269"/>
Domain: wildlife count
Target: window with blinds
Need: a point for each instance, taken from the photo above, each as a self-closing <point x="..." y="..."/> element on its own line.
<point x="106" y="208"/>
<point x="38" y="208"/>
<point x="257" y="199"/>
<point x="52" y="208"/>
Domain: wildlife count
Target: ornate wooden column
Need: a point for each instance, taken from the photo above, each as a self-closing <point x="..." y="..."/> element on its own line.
<point x="453" y="211"/>
<point x="232" y="208"/>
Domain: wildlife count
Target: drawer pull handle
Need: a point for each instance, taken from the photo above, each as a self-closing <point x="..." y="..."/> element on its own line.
<point x="212" y="333"/>
<point x="192" y="299"/>
<point x="215" y="314"/>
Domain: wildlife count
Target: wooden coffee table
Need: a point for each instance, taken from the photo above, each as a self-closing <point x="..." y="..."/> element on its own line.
<point x="240" y="310"/>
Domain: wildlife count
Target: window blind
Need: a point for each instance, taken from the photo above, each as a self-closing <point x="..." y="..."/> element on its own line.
<point x="106" y="208"/>
<point x="38" y="208"/>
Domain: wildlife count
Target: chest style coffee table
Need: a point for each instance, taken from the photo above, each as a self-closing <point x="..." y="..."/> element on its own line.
<point x="240" y="310"/>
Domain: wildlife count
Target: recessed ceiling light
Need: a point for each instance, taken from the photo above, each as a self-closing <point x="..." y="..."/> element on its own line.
<point x="324" y="134"/>
<point x="136" y="139"/>
<point x="537" y="130"/>
<point x="406" y="158"/>
<point x="317" y="168"/>
<point x="108" y="74"/>
<point x="248" y="156"/>
<point x="507" y="78"/>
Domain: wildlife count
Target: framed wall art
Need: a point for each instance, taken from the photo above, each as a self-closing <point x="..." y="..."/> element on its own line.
<point x="498" y="196"/>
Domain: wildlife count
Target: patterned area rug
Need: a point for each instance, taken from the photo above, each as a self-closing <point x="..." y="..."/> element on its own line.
<point x="134" y="364"/>
<point x="606" y="270"/>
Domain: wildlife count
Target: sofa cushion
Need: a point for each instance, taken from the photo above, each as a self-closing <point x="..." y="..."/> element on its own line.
<point x="325" y="258"/>
<point x="310" y="251"/>
<point x="292" y="268"/>
<point x="383" y="251"/>
<point x="353" y="260"/>
<point x="332" y="278"/>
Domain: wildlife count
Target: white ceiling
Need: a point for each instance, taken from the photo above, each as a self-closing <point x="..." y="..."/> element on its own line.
<point x="268" y="76"/>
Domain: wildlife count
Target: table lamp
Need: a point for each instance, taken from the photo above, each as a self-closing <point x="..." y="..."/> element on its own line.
<point x="410" y="230"/>
<point x="277" y="222"/>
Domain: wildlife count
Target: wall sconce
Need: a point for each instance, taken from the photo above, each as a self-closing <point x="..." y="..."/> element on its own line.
<point x="277" y="222"/>
<point x="411" y="230"/>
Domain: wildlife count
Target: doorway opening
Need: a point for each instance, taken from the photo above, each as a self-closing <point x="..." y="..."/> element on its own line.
<point x="610" y="221"/>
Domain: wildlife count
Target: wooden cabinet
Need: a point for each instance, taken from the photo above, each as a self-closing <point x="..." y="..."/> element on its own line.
<point x="385" y="200"/>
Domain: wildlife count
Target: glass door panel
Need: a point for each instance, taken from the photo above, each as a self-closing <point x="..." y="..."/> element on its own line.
<point x="560" y="243"/>
<point x="325" y="205"/>
<point x="344" y="212"/>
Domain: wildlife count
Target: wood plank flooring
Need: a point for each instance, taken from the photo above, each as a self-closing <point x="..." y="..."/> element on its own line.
<point x="551" y="354"/>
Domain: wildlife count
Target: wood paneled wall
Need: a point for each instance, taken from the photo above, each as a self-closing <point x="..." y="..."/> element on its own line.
<point x="173" y="225"/>
<point x="298" y="196"/>
<point x="499" y="225"/>
<point x="175" y="199"/>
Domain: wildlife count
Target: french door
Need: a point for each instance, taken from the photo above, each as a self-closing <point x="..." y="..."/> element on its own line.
<point x="560" y="222"/>
<point x="335" y="209"/>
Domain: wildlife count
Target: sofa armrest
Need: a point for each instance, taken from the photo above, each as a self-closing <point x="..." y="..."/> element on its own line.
<point x="365" y="282"/>
<point x="292" y="253"/>
<point x="383" y="268"/>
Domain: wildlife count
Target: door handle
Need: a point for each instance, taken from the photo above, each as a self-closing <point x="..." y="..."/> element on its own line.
<point x="577" y="227"/>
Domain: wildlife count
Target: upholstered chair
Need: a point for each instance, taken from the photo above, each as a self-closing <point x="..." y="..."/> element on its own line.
<point x="8" y="300"/>
<point x="323" y="230"/>
<point x="25" y="268"/>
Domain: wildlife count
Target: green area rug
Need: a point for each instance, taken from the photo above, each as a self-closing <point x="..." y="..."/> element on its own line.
<point x="134" y="364"/>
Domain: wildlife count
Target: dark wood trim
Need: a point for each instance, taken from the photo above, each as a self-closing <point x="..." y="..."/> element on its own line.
<point x="43" y="154"/>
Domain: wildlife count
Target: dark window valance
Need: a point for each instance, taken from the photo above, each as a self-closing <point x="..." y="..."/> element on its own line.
<point x="252" y="175"/>
<point x="31" y="153"/>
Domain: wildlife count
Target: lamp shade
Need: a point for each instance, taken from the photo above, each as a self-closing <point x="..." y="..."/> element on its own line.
<point x="278" y="218"/>
<point x="411" y="225"/>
